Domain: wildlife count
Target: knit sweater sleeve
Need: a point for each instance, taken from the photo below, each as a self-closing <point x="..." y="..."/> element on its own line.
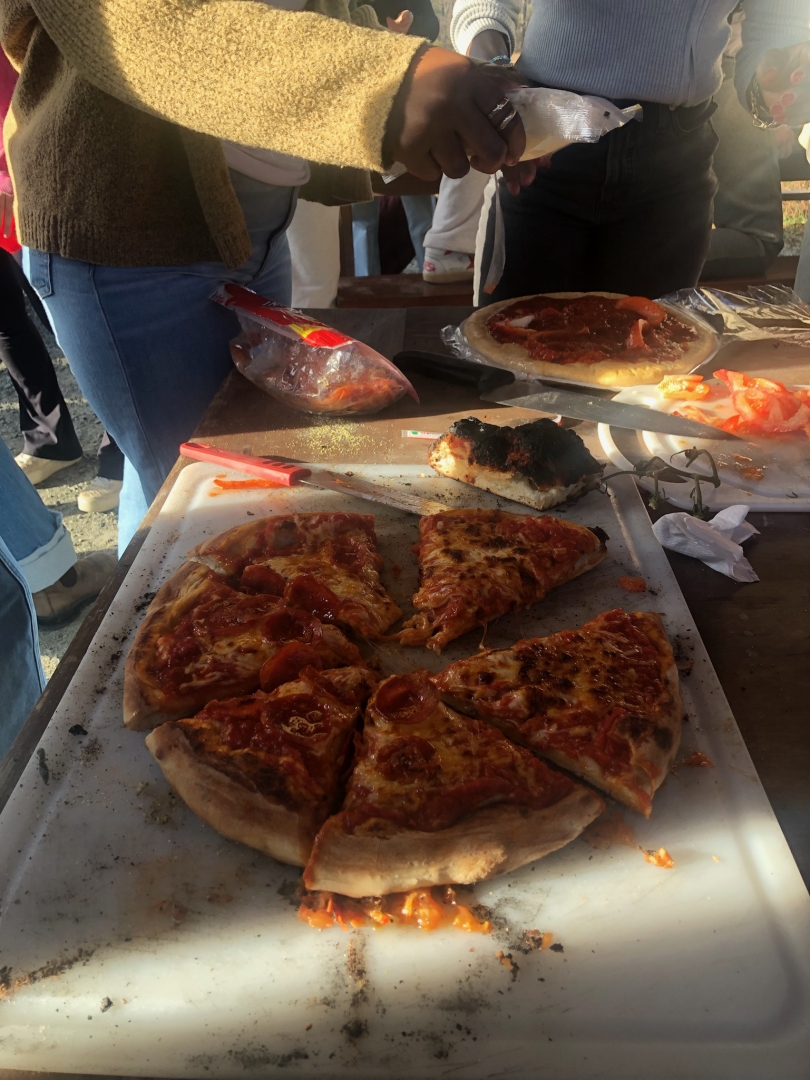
<point x="294" y="82"/>
<point x="472" y="17"/>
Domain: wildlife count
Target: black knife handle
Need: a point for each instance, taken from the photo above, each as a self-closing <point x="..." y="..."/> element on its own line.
<point x="453" y="369"/>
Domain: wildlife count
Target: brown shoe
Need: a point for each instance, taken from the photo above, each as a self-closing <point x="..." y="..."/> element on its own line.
<point x="82" y="583"/>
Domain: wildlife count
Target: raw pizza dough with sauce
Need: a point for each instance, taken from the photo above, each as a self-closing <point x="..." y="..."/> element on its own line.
<point x="546" y="335"/>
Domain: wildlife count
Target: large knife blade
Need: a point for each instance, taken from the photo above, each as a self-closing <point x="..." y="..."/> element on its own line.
<point x="288" y="475"/>
<point x="583" y="406"/>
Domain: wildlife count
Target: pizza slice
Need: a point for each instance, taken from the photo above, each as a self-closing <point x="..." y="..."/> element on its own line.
<point x="266" y="769"/>
<point x="325" y="563"/>
<point x="540" y="464"/>
<point x="202" y="639"/>
<point x="439" y="798"/>
<point x="475" y="565"/>
<point x="601" y="701"/>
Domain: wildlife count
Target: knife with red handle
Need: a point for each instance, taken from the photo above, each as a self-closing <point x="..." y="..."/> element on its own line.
<point x="286" y="474"/>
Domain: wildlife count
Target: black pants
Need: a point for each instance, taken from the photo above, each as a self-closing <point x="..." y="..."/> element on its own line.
<point x="45" y="420"/>
<point x="631" y="213"/>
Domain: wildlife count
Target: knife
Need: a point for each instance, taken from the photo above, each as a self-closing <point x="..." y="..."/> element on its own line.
<point x="286" y="474"/>
<point x="495" y="384"/>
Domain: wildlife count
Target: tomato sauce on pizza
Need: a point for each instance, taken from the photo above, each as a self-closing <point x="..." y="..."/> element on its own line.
<point x="589" y="329"/>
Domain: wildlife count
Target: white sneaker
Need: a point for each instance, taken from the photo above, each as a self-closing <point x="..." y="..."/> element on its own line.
<point x="445" y="267"/>
<point x="38" y="469"/>
<point x="99" y="495"/>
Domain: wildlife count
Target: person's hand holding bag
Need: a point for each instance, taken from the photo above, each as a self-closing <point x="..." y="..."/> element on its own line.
<point x="451" y="113"/>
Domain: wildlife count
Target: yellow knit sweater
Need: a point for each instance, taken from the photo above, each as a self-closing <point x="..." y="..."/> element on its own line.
<point x="113" y="133"/>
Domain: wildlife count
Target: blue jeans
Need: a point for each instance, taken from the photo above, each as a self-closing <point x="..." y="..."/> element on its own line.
<point x="366" y="231"/>
<point x="148" y="347"/>
<point x="33" y="535"/>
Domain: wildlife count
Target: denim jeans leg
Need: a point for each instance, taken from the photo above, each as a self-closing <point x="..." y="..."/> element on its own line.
<point x="21" y="677"/>
<point x="148" y="346"/>
<point x="366" y="238"/>
<point x="35" y="536"/>
<point x="419" y="213"/>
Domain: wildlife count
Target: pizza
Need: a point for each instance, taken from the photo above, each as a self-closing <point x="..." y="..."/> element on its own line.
<point x="265" y="769"/>
<point x="202" y="639"/>
<point x="601" y="701"/>
<point x="475" y="565"/>
<point x="599" y="338"/>
<point x="437" y="798"/>
<point x="325" y="563"/>
<point x="540" y="464"/>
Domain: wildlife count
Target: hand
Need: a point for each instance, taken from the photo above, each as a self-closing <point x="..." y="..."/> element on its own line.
<point x="6" y="213"/>
<point x="439" y="118"/>
<point x="401" y="24"/>
<point x="784" y="78"/>
<point x="488" y="44"/>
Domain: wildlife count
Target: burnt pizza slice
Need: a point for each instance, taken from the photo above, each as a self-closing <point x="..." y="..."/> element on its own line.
<point x="202" y="639"/>
<point x="439" y="798"/>
<point x="540" y="464"/>
<point x="475" y="565"/>
<point x="324" y="563"/>
<point x="266" y="769"/>
<point x="601" y="701"/>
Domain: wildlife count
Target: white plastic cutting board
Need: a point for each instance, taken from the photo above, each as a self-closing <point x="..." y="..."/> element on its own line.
<point x="134" y="940"/>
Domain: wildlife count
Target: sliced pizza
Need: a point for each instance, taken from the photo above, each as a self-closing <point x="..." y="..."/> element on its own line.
<point x="439" y="798"/>
<point x="325" y="563"/>
<point x="475" y="565"/>
<point x="202" y="639"/>
<point x="266" y="769"/>
<point x="601" y="701"/>
<point x="598" y="338"/>
<point x="540" y="464"/>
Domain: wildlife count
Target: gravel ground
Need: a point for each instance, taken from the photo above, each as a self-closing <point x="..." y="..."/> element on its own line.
<point x="90" y="532"/>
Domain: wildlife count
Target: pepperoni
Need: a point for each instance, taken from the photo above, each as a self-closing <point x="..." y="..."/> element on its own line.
<point x="407" y="699"/>
<point x="262" y="579"/>
<point x="311" y="595"/>
<point x="411" y="758"/>
<point x="287" y="624"/>
<point x="230" y="615"/>
<point x="287" y="664"/>
<point x="300" y="716"/>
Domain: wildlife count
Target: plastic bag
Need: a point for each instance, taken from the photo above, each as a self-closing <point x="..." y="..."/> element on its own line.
<point x="306" y="364"/>
<point x="757" y="313"/>
<point x="553" y="119"/>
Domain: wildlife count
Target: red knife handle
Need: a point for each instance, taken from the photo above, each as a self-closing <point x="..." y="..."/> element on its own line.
<point x="279" y="471"/>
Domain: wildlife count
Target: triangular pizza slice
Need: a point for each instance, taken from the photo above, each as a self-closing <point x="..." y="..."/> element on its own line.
<point x="475" y="565"/>
<point x="439" y="798"/>
<point x="601" y="701"/>
<point x="324" y="563"/>
<point x="266" y="769"/>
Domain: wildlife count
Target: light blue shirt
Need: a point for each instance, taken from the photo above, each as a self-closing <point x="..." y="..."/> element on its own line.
<point x="647" y="50"/>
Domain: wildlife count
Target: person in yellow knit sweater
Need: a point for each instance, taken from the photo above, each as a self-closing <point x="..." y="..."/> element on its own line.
<point x="156" y="149"/>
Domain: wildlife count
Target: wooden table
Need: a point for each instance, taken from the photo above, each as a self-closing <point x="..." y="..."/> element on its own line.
<point x="757" y="635"/>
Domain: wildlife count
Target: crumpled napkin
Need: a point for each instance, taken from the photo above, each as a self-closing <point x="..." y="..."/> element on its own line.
<point x="716" y="542"/>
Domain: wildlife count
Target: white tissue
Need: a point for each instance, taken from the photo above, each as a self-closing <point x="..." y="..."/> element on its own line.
<point x="716" y="542"/>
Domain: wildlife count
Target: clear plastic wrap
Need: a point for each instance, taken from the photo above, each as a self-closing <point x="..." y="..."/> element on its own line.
<point x="306" y="364"/>
<point x="554" y="118"/>
<point x="756" y="313"/>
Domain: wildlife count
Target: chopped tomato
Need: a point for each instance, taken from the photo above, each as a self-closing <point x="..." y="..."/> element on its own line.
<point x="633" y="584"/>
<point x="635" y="339"/>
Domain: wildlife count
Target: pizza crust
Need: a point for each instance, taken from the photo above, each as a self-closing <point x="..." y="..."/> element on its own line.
<point x="510" y="485"/>
<point x="145" y="703"/>
<point x="483" y="844"/>
<point x="605" y="373"/>
<point x="232" y="809"/>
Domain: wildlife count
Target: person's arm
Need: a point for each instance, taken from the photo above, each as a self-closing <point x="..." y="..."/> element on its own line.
<point x="774" y="33"/>
<point x="484" y="29"/>
<point x="289" y="81"/>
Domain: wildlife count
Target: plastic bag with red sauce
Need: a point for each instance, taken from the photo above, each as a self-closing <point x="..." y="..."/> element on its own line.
<point x="306" y="364"/>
